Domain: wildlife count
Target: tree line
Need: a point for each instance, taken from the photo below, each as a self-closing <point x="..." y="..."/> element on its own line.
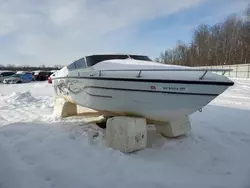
<point x="30" y="68"/>
<point x="224" y="43"/>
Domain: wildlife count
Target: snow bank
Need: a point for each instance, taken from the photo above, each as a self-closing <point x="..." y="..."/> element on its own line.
<point x="37" y="151"/>
<point x="22" y="106"/>
<point x="20" y="98"/>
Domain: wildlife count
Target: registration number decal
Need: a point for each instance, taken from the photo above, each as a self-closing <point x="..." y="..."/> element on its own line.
<point x="172" y="88"/>
<point x="168" y="88"/>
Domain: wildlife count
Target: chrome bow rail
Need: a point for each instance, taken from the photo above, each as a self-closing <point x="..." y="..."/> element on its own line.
<point x="176" y="69"/>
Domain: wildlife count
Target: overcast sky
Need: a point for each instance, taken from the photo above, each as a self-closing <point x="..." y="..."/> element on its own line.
<point x="51" y="32"/>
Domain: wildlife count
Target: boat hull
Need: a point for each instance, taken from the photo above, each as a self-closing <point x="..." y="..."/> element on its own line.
<point x="154" y="100"/>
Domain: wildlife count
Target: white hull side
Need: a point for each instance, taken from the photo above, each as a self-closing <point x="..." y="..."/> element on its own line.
<point x="158" y="106"/>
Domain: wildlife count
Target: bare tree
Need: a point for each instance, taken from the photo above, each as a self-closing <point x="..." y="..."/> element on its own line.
<point x="223" y="43"/>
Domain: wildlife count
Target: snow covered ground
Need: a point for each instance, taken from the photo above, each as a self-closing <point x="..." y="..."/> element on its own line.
<point x="39" y="151"/>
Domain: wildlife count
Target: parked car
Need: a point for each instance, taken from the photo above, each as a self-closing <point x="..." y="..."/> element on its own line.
<point x="40" y="75"/>
<point x="49" y="80"/>
<point x="18" y="78"/>
<point x="5" y="74"/>
<point x="22" y="72"/>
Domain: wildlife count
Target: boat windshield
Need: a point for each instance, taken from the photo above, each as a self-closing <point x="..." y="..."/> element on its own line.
<point x="79" y="64"/>
<point x="94" y="59"/>
<point x="140" y="57"/>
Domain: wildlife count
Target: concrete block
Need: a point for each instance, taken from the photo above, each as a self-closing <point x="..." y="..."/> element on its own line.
<point x="126" y="134"/>
<point x="63" y="108"/>
<point x="174" y="128"/>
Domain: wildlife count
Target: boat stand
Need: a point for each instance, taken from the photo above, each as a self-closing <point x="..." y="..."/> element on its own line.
<point x="63" y="108"/>
<point x="173" y="128"/>
<point x="123" y="133"/>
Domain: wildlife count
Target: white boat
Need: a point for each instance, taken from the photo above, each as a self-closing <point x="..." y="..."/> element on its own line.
<point x="136" y="85"/>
